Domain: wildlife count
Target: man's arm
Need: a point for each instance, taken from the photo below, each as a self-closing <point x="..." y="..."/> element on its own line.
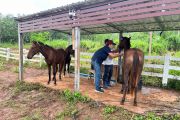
<point x="114" y="55"/>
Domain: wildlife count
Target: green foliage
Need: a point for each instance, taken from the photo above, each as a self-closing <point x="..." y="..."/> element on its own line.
<point x="153" y="116"/>
<point x="143" y="45"/>
<point x="15" y="69"/>
<point x="35" y="116"/>
<point x="2" y="65"/>
<point x="70" y="110"/>
<point x="158" y="48"/>
<point x="57" y="43"/>
<point x="39" y="36"/>
<point x="109" y="110"/>
<point x="152" y="81"/>
<point x="173" y="84"/>
<point x="8" y="29"/>
<point x="21" y="86"/>
<point x="74" y="97"/>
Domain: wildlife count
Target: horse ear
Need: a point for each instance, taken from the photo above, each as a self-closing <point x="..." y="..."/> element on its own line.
<point x="129" y="38"/>
<point x="34" y="42"/>
<point x="121" y="38"/>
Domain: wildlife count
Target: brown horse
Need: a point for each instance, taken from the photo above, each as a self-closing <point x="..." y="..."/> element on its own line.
<point x="52" y="56"/>
<point x="132" y="68"/>
<point x="69" y="51"/>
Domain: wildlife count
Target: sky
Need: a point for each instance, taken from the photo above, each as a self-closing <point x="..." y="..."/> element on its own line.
<point x="26" y="7"/>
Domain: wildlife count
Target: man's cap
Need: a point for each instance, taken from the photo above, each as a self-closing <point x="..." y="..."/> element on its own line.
<point x="105" y="41"/>
<point x="110" y="42"/>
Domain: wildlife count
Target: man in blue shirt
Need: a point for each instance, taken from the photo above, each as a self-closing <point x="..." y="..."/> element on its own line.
<point x="97" y="59"/>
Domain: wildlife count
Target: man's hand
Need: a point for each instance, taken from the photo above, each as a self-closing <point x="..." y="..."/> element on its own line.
<point x="121" y="53"/>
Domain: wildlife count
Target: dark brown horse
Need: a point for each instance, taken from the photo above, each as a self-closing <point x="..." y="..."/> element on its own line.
<point x="52" y="56"/>
<point x="69" y="51"/>
<point x="132" y="68"/>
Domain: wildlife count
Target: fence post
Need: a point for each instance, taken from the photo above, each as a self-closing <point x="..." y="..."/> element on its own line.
<point x="166" y="69"/>
<point x="24" y="56"/>
<point x="40" y="55"/>
<point x="7" y="54"/>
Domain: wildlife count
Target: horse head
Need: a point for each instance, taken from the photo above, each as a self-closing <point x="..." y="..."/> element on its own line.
<point x="125" y="43"/>
<point x="70" y="50"/>
<point x="35" y="48"/>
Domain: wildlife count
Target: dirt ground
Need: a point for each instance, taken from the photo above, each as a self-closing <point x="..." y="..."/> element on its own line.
<point x="46" y="105"/>
<point x="149" y="99"/>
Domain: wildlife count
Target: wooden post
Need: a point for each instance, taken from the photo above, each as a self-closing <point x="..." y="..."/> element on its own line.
<point x="69" y="40"/>
<point x="7" y="54"/>
<point x="73" y="38"/>
<point x="166" y="70"/>
<point x="41" y="59"/>
<point x="150" y="43"/>
<point x="119" y="77"/>
<point x="76" y="37"/>
<point x="20" y="40"/>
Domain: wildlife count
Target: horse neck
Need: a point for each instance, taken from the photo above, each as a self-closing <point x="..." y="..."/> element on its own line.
<point x="126" y="48"/>
<point x="44" y="51"/>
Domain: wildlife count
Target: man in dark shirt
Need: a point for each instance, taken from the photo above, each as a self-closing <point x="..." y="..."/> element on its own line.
<point x="97" y="59"/>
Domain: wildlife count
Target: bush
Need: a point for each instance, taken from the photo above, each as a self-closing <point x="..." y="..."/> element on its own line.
<point x="173" y="84"/>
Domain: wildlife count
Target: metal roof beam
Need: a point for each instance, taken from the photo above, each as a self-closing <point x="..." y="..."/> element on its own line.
<point x="61" y="31"/>
<point x="115" y="27"/>
<point x="88" y="31"/>
<point x="159" y="23"/>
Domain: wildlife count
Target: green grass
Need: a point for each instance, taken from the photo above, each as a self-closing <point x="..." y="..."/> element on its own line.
<point x="74" y="97"/>
<point x="21" y="86"/>
<point x="153" y="116"/>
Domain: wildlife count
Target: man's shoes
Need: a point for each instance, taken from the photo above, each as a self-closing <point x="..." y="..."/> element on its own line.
<point x="105" y="87"/>
<point x="100" y="90"/>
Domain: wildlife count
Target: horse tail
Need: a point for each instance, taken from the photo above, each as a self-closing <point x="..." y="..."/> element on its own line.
<point x="134" y="72"/>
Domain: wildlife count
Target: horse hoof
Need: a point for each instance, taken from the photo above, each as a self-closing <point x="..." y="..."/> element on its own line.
<point x="135" y="103"/>
<point x="55" y="84"/>
<point x="48" y="83"/>
<point x="122" y="103"/>
<point x="121" y="91"/>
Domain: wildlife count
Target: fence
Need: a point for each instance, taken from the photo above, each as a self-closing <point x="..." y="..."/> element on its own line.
<point x="8" y="54"/>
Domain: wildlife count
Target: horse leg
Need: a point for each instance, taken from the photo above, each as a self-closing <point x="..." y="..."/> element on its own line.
<point x="64" y="69"/>
<point x="125" y="86"/>
<point x="122" y="80"/>
<point x="49" y="70"/>
<point x="60" y="70"/>
<point x="54" y="73"/>
<point x="135" y="96"/>
<point x="68" y="68"/>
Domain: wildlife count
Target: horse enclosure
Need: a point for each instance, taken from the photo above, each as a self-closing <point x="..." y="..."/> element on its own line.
<point x="85" y="63"/>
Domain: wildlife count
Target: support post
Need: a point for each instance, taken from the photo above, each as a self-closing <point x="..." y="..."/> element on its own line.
<point x="150" y="43"/>
<point x="7" y="54"/>
<point x="20" y="40"/>
<point x="119" y="78"/>
<point x="166" y="70"/>
<point x="69" y="40"/>
<point x="76" y="37"/>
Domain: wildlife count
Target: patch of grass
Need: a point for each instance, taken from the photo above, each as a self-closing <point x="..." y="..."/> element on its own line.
<point x="21" y="86"/>
<point x="153" y="116"/>
<point x="152" y="81"/>
<point x="173" y="84"/>
<point x="15" y="69"/>
<point x="69" y="111"/>
<point x="109" y="109"/>
<point x="2" y="66"/>
<point x="36" y="116"/>
<point x="74" y="97"/>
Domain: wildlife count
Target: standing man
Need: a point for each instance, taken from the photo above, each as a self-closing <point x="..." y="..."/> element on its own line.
<point x="108" y="70"/>
<point x="97" y="59"/>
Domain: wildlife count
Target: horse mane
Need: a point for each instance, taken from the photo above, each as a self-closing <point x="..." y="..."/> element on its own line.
<point x="43" y="44"/>
<point x="69" y="47"/>
<point x="127" y="42"/>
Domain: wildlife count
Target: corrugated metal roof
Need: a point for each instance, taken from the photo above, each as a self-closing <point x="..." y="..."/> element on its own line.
<point x="63" y="9"/>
